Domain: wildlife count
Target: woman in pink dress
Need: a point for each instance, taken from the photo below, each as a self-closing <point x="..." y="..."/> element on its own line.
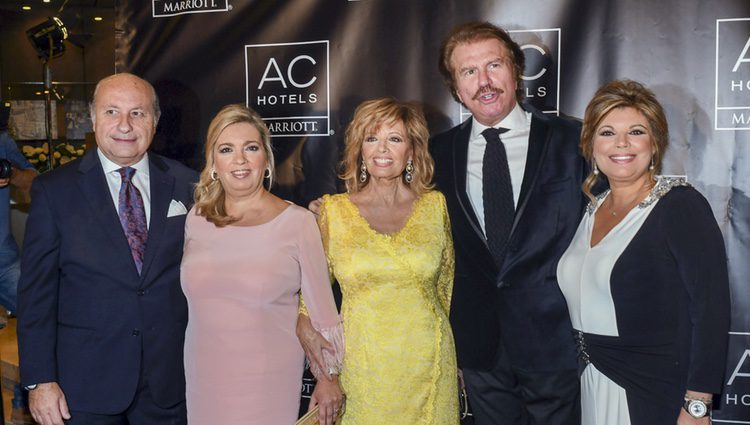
<point x="247" y="256"/>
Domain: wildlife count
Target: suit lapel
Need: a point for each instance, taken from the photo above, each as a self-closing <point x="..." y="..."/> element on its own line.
<point x="476" y="242"/>
<point x="93" y="185"/>
<point x="538" y="142"/>
<point x="162" y="187"/>
<point x="460" y="157"/>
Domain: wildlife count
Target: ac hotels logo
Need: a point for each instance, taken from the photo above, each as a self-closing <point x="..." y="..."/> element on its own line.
<point x="287" y="83"/>
<point x="732" y="110"/>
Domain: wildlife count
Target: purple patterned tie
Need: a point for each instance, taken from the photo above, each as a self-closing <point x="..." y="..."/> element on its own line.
<point x="133" y="216"/>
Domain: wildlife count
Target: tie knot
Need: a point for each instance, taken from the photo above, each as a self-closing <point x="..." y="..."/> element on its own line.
<point x="493" y="134"/>
<point x="126" y="173"/>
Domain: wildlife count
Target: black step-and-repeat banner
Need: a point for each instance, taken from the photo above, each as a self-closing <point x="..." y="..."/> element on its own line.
<point x="305" y="65"/>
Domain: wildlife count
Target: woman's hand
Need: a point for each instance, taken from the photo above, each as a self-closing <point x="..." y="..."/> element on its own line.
<point x="686" y="419"/>
<point x="328" y="395"/>
<point x="314" y="206"/>
<point x="313" y="343"/>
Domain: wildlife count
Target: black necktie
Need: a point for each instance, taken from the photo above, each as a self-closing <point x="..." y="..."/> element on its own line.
<point x="497" y="195"/>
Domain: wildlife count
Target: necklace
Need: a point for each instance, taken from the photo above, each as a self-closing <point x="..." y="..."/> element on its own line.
<point x="628" y="206"/>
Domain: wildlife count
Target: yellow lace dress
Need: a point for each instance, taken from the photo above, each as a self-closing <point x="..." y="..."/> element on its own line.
<point x="400" y="362"/>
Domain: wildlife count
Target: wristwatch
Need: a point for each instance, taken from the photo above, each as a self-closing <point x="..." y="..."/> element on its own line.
<point x="31" y="387"/>
<point x="696" y="407"/>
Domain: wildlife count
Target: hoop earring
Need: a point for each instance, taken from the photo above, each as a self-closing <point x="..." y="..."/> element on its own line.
<point x="214" y="174"/>
<point x="267" y="173"/>
<point x="409" y="176"/>
<point x="363" y="172"/>
<point x="595" y="170"/>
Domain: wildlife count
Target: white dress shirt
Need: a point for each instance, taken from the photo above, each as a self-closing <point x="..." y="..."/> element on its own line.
<point x="516" y="141"/>
<point x="141" y="180"/>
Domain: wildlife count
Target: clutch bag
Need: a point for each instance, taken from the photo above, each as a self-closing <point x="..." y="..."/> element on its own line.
<point x="311" y="417"/>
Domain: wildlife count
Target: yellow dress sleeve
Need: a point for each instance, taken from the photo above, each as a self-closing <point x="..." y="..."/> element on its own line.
<point x="324" y="232"/>
<point x="447" y="262"/>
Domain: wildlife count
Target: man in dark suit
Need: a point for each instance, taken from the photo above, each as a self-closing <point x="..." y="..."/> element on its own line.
<point x="514" y="199"/>
<point x="101" y="319"/>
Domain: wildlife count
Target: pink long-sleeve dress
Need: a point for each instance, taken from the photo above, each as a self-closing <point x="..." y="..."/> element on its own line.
<point x="243" y="362"/>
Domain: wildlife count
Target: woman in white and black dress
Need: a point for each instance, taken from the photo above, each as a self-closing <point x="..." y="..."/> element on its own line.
<point x="645" y="277"/>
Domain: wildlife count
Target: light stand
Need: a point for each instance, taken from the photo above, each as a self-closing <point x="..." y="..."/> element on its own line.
<point x="48" y="111"/>
<point x="47" y="38"/>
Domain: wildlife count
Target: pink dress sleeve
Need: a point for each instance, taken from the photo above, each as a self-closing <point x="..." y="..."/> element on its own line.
<point x="316" y="291"/>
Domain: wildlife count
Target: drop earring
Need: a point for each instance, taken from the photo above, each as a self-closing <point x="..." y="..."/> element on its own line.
<point x="409" y="176"/>
<point x="651" y="167"/>
<point x="363" y="172"/>
<point x="595" y="170"/>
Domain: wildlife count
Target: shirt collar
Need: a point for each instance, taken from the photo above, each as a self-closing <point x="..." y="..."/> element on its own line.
<point x="515" y="120"/>
<point x="109" y="166"/>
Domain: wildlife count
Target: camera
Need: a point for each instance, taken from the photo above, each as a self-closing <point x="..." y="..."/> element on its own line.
<point x="6" y="168"/>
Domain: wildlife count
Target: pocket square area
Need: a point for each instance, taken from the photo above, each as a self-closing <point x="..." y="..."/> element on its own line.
<point x="176" y="208"/>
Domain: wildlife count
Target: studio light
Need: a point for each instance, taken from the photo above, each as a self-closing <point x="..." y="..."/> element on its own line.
<point x="47" y="38"/>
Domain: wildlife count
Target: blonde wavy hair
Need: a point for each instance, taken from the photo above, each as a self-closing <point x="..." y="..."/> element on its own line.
<point x="368" y="117"/>
<point x="209" y="194"/>
<point x="623" y="94"/>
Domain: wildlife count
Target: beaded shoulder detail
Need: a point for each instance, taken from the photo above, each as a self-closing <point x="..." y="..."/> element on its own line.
<point x="663" y="185"/>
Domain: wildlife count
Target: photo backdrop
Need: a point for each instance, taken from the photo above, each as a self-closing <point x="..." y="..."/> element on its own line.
<point x="305" y="65"/>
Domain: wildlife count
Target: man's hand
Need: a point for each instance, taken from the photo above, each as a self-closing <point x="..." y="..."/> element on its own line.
<point x="5" y="182"/>
<point x="330" y="398"/>
<point x="313" y="343"/>
<point x="47" y="404"/>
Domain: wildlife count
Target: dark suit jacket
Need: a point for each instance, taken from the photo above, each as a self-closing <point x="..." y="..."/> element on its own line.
<point x="528" y="312"/>
<point x="86" y="319"/>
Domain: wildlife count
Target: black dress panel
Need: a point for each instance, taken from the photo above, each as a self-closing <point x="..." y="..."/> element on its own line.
<point x="671" y="294"/>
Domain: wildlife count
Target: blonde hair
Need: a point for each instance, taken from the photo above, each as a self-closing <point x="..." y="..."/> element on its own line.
<point x="209" y="194"/>
<point x="623" y="94"/>
<point x="368" y="117"/>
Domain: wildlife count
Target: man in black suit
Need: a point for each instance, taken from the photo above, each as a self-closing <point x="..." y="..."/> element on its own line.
<point x="514" y="201"/>
<point x="101" y="315"/>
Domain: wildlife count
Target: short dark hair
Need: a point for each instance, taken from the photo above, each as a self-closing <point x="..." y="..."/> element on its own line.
<point x="470" y="32"/>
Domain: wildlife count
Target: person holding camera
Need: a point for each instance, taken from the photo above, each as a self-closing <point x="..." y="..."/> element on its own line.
<point x="15" y="170"/>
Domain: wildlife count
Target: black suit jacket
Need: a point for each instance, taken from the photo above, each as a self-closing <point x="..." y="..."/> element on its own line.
<point x="86" y="319"/>
<point x="528" y="312"/>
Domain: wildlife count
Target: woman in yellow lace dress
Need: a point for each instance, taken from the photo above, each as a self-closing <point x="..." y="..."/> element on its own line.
<point x="389" y="245"/>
